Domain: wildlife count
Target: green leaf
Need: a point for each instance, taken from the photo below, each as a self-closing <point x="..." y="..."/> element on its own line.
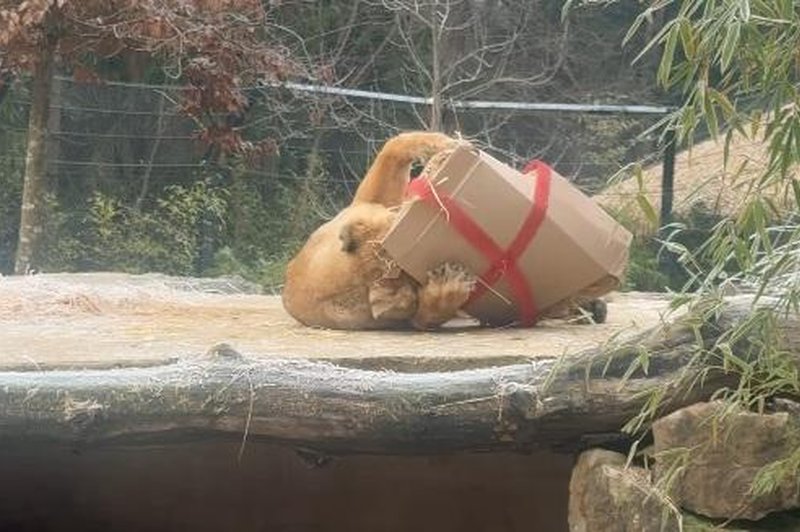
<point x="726" y="151"/>
<point x="633" y="30"/>
<point x="796" y="190"/>
<point x="667" y="57"/>
<point x="647" y="209"/>
<point x="725" y="104"/>
<point x="655" y="40"/>
<point x="712" y="121"/>
<point x="687" y="38"/>
<point x="755" y="122"/>
<point x="729" y="45"/>
<point x="639" y="175"/>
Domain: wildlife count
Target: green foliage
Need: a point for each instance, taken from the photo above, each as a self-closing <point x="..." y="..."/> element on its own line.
<point x="776" y="474"/>
<point x="735" y="64"/>
<point x="659" y="265"/>
<point x="12" y="156"/>
<point x="10" y="200"/>
<point x="109" y="235"/>
<point x="644" y="271"/>
<point x="308" y="204"/>
<point x="267" y="270"/>
<point x="265" y="230"/>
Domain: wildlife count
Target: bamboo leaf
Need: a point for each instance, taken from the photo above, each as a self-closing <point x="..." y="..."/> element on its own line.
<point x="796" y="190"/>
<point x="726" y="151"/>
<point x="729" y="45"/>
<point x="725" y="104"/>
<point x="667" y="57"/>
<point x="654" y="41"/>
<point x="710" y="112"/>
<point x="687" y="38"/>
<point x="633" y="30"/>
<point x="648" y="209"/>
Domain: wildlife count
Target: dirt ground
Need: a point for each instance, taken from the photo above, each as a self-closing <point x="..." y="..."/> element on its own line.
<point x="113" y="320"/>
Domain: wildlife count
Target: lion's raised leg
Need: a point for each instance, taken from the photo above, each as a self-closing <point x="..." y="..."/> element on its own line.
<point x="386" y="179"/>
<point x="448" y="288"/>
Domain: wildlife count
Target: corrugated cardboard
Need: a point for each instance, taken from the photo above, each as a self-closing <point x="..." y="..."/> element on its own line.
<point x="578" y="249"/>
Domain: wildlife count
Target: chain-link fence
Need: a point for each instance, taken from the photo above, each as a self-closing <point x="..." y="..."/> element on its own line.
<point x="132" y="187"/>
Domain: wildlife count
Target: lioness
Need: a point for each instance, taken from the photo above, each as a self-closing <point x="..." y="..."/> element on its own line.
<point x="341" y="279"/>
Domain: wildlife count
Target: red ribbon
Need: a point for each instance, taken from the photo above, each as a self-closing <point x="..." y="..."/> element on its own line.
<point x="501" y="262"/>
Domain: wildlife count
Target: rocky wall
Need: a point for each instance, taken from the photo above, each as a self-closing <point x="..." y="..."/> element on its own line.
<point x="698" y="475"/>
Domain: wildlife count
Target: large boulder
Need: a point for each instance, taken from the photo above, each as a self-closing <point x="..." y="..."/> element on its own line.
<point x="713" y="460"/>
<point x="606" y="496"/>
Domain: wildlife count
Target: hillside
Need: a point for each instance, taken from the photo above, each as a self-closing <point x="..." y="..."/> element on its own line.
<point x="701" y="177"/>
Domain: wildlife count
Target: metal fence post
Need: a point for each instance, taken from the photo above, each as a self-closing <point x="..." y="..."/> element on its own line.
<point x="668" y="179"/>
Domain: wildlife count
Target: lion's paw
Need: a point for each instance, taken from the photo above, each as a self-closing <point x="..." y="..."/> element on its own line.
<point x="451" y="277"/>
<point x="447" y="290"/>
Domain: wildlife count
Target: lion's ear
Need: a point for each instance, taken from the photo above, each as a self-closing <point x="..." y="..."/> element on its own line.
<point x="363" y="224"/>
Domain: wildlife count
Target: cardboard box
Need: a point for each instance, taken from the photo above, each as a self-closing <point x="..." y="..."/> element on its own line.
<point x="536" y="241"/>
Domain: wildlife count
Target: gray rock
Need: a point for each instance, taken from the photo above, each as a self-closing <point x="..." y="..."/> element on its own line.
<point x="714" y="461"/>
<point x="606" y="496"/>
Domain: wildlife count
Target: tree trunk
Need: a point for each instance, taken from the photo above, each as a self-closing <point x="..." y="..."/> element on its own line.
<point x="156" y="144"/>
<point x="558" y="403"/>
<point x="35" y="181"/>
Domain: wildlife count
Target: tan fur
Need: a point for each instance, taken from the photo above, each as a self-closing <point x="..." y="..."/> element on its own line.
<point x="341" y="279"/>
